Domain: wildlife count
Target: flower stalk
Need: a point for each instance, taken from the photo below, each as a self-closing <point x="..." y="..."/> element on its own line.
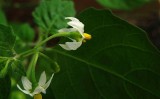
<point x="31" y="69"/>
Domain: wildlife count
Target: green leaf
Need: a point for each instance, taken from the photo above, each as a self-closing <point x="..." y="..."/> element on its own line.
<point x="50" y="14"/>
<point x="47" y="64"/>
<point x="7" y="41"/>
<point x="24" y="32"/>
<point x="148" y="80"/>
<point x="123" y="4"/>
<point x="4" y="64"/>
<point x="18" y="70"/>
<point x="119" y="62"/>
<point x="3" y="18"/>
<point x="24" y="36"/>
<point x="5" y="87"/>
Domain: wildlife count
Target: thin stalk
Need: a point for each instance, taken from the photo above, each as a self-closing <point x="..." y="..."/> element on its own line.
<point x="26" y="53"/>
<point x="31" y="69"/>
<point x="51" y="37"/>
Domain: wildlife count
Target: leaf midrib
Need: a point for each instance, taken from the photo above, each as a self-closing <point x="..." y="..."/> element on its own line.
<point x="106" y="70"/>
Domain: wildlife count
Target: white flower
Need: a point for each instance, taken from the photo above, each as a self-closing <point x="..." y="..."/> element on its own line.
<point x="42" y="85"/>
<point x="77" y="26"/>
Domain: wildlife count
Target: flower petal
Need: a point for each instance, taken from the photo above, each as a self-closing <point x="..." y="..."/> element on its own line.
<point x="48" y="83"/>
<point x="75" y="23"/>
<point x="24" y="91"/>
<point x="42" y="79"/>
<point x="37" y="90"/>
<point x="67" y="30"/>
<point x="71" y="45"/>
<point x="26" y="83"/>
<point x="64" y="46"/>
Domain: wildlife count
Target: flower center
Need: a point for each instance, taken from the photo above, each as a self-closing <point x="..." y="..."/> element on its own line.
<point x="87" y="36"/>
<point x="38" y="96"/>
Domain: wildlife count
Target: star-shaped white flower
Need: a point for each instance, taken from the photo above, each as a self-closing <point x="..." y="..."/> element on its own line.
<point x="76" y="26"/>
<point x="42" y="85"/>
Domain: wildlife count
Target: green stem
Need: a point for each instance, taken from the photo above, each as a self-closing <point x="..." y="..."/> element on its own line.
<point x="1" y="57"/>
<point x="51" y="37"/>
<point x="32" y="65"/>
<point x="26" y="53"/>
<point x="4" y="70"/>
<point x="29" y="52"/>
<point x="31" y="69"/>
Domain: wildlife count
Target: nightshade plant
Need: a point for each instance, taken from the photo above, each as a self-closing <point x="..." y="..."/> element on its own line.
<point x="117" y="62"/>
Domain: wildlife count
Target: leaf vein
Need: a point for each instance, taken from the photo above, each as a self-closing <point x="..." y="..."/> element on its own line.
<point x="106" y="70"/>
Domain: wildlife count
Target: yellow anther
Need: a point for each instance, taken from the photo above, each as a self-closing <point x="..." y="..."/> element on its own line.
<point x="38" y="96"/>
<point x="87" y="36"/>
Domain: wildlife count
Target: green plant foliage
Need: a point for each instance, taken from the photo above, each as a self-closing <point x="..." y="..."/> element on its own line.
<point x="119" y="62"/>
<point x="24" y="32"/>
<point x="50" y="65"/>
<point x="17" y="95"/>
<point x="50" y="14"/>
<point x="5" y="87"/>
<point x="123" y="4"/>
<point x="17" y="69"/>
<point x="3" y="18"/>
<point x="3" y="67"/>
<point x="24" y="36"/>
<point x="7" y="41"/>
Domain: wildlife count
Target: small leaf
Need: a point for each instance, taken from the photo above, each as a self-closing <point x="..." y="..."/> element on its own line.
<point x="50" y="15"/>
<point x="7" y="41"/>
<point x="24" y="32"/>
<point x="4" y="64"/>
<point x="123" y="4"/>
<point x="24" y="36"/>
<point x="5" y="86"/>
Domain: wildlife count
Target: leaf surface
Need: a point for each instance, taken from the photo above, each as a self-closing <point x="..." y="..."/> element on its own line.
<point x="111" y="64"/>
<point x="50" y="15"/>
<point x="123" y="4"/>
<point x="5" y="87"/>
<point x="7" y="41"/>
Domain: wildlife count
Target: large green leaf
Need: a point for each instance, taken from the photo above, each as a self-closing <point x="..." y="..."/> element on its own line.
<point x="119" y="62"/>
<point x="7" y="41"/>
<point x="123" y="4"/>
<point x="5" y="87"/>
<point x="50" y="14"/>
